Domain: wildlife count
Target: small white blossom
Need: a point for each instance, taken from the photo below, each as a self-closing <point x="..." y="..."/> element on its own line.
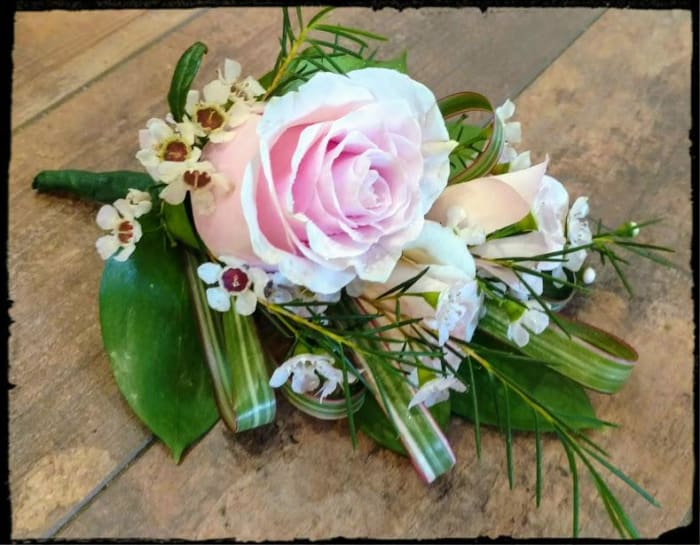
<point x="246" y="90"/>
<point x="125" y="230"/>
<point x="235" y="280"/>
<point x="306" y="371"/>
<point x="139" y="201"/>
<point x="436" y="390"/>
<point x="458" y="311"/>
<point x="198" y="178"/>
<point x="163" y="143"/>
<point x="532" y="320"/>
<point x="578" y="233"/>
<point x="589" y="275"/>
<point x="512" y="134"/>
<point x="281" y="291"/>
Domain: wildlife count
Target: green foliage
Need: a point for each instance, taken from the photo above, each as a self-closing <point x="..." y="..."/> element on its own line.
<point x="307" y="48"/>
<point x="103" y="187"/>
<point x="374" y="423"/>
<point x="183" y="76"/>
<point x="564" y="355"/>
<point x="561" y="396"/>
<point x="235" y="359"/>
<point x="478" y="148"/>
<point x="147" y="325"/>
<point x="179" y="225"/>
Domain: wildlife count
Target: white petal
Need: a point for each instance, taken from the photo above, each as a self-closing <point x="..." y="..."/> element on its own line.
<point x="439" y="245"/>
<point x="246" y="303"/>
<point x="107" y="245"/>
<point x="260" y="281"/>
<point x="512" y="132"/>
<point x="126" y="252"/>
<point x="218" y="299"/>
<point x="192" y="99"/>
<point x="304" y="380"/>
<point x="174" y="193"/>
<point x="518" y="334"/>
<point x="280" y="376"/>
<point x="209" y="272"/>
<point x="506" y="110"/>
<point x="216" y="92"/>
<point x="232" y="70"/>
<point x="124" y="208"/>
<point x="108" y="217"/>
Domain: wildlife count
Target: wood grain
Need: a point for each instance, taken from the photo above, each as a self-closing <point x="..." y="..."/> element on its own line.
<point x="58" y="52"/>
<point x="299" y="477"/>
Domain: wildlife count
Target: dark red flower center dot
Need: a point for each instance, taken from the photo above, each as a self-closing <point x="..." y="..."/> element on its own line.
<point x="209" y="118"/>
<point x="234" y="280"/>
<point x="125" y="232"/>
<point x="175" y="151"/>
<point x="196" y="179"/>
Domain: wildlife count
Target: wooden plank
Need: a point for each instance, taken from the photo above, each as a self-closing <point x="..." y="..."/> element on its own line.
<point x="58" y="52"/>
<point x="597" y="111"/>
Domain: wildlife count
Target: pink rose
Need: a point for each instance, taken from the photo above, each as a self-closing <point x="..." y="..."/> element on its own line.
<point x="347" y="168"/>
<point x="224" y="230"/>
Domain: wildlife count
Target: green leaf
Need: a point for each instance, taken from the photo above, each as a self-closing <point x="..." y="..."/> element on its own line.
<point x="469" y="160"/>
<point x="329" y="409"/>
<point x="235" y="359"/>
<point x="179" y="225"/>
<point x="607" y="342"/>
<point x="104" y="187"/>
<point x="560" y="395"/>
<point x="571" y="357"/>
<point x="183" y="76"/>
<point x="310" y="64"/>
<point x="148" y="330"/>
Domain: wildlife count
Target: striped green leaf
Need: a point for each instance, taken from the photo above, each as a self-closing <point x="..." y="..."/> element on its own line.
<point x="572" y="357"/>
<point x="420" y="435"/>
<point x="479" y="147"/>
<point x="235" y="359"/>
<point x="328" y="409"/>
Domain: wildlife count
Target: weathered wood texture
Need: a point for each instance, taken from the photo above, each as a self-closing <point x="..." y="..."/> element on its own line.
<point x="612" y="111"/>
<point x="57" y="52"/>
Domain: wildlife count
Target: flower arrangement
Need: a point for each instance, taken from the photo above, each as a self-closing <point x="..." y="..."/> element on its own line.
<point x="409" y="260"/>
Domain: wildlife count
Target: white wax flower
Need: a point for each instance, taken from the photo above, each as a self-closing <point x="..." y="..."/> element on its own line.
<point x="578" y="233"/>
<point x="436" y="390"/>
<point x="235" y="281"/>
<point x="125" y="230"/>
<point x="163" y="143"/>
<point x="532" y="320"/>
<point x="306" y="371"/>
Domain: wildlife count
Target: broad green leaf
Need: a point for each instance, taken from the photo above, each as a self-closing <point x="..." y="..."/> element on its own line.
<point x="561" y="396"/>
<point x="149" y="334"/>
<point x="104" y="187"/>
<point x="179" y="225"/>
<point x="183" y="76"/>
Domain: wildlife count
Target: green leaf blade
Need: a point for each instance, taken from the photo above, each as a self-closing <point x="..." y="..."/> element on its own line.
<point x="147" y="322"/>
<point x="183" y="76"/>
<point x="102" y="187"/>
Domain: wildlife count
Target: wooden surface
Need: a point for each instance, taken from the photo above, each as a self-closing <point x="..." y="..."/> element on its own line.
<point x="606" y="94"/>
